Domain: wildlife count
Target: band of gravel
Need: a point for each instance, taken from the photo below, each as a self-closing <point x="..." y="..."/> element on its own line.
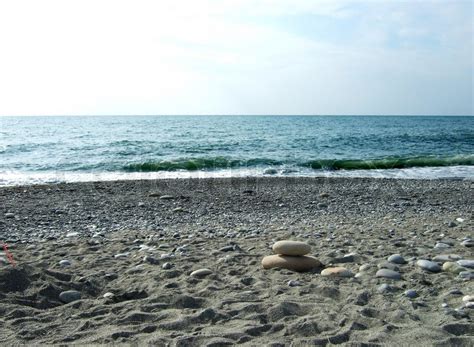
<point x="179" y="262"/>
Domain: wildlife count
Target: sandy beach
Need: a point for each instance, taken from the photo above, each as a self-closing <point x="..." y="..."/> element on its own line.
<point x="124" y="253"/>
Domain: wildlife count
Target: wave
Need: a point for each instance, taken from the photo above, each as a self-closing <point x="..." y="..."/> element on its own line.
<point x="390" y="163"/>
<point x="193" y="164"/>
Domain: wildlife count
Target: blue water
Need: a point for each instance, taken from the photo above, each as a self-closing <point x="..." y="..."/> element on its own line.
<point x="51" y="149"/>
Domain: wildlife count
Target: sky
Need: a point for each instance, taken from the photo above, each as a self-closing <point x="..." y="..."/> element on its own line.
<point x="139" y="57"/>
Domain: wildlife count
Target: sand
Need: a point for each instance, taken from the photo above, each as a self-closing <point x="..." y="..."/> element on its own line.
<point x="124" y="238"/>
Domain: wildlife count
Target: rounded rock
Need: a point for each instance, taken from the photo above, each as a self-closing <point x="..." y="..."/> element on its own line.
<point x="386" y="273"/>
<point x="466" y="263"/>
<point x="427" y="265"/>
<point x="69" y="296"/>
<point x="201" y="273"/>
<point x="293" y="248"/>
<point x="449" y="266"/>
<point x="337" y="272"/>
<point x="410" y="293"/>
<point x="299" y="264"/>
<point x="65" y="263"/>
<point x="468" y="298"/>
<point x="397" y="259"/>
<point x="108" y="295"/>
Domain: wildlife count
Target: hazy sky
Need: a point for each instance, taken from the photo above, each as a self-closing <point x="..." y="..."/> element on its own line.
<point x="236" y="57"/>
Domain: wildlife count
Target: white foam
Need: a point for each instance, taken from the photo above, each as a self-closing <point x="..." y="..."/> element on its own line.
<point x="16" y="178"/>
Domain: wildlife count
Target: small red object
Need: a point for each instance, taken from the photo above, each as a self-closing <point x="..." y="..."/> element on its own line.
<point x="9" y="255"/>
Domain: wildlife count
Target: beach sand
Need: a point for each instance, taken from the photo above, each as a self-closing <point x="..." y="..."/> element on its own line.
<point x="141" y="240"/>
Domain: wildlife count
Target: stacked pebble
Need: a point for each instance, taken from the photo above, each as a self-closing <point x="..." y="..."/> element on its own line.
<point x="291" y="255"/>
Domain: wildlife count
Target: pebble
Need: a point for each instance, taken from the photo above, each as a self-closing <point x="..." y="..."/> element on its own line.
<point x="466" y="263"/>
<point x="166" y="197"/>
<point x="410" y="293"/>
<point x="469" y="305"/>
<point x="73" y="234"/>
<point x="166" y="266"/>
<point x="121" y="255"/>
<point x="293" y="248"/>
<point x="466" y="275"/>
<point x="108" y="295"/>
<point x="151" y="260"/>
<point x="65" y="263"/>
<point x="386" y="273"/>
<point x="468" y="243"/>
<point x="451" y="224"/>
<point x="428" y="265"/>
<point x="397" y="259"/>
<point x="201" y="273"/>
<point x="300" y="263"/>
<point x="9" y="215"/>
<point x="468" y="298"/>
<point x="294" y="283"/>
<point x="441" y="245"/>
<point x="322" y="205"/>
<point x="69" y="296"/>
<point x="338" y="271"/>
<point x="449" y="266"/>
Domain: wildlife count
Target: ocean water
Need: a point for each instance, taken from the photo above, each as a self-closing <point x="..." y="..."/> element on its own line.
<point x="56" y="149"/>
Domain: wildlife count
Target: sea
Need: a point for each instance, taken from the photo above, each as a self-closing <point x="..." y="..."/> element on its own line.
<point x="38" y="150"/>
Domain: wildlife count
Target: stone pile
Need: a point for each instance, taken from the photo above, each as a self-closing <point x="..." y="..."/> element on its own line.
<point x="291" y="255"/>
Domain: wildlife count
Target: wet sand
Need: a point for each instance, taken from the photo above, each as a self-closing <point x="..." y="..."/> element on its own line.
<point x="139" y="241"/>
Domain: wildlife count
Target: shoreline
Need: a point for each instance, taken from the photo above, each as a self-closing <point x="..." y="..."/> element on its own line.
<point x="140" y="240"/>
<point x="13" y="178"/>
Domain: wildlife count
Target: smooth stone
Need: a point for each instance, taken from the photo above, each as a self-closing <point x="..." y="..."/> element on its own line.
<point x="449" y="266"/>
<point x="201" y="273"/>
<point x="386" y="273"/>
<point x="151" y="260"/>
<point x="121" y="255"/>
<point x="469" y="305"/>
<point x="441" y="245"/>
<point x="467" y="243"/>
<point x="166" y="197"/>
<point x="442" y="258"/>
<point x="72" y="234"/>
<point x="466" y="263"/>
<point x="410" y="293"/>
<point x="390" y="266"/>
<point x="9" y="215"/>
<point x="166" y="266"/>
<point x="337" y="272"/>
<point x="294" y="283"/>
<point x="293" y="248"/>
<point x="428" y="265"/>
<point x="468" y="298"/>
<point x="65" y="263"/>
<point x="397" y="259"/>
<point x="69" y="296"/>
<point x="467" y="275"/>
<point x="299" y="264"/>
<point x="108" y="295"/>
